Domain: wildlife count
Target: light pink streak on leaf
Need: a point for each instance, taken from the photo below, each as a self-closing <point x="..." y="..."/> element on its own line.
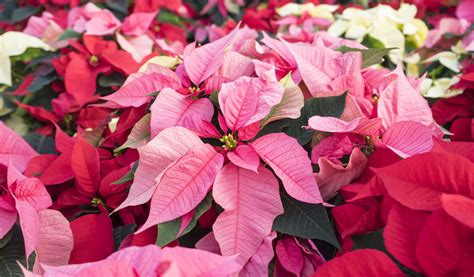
<point x="29" y="222"/>
<point x="195" y="262"/>
<point x="33" y="191"/>
<point x="244" y="156"/>
<point x="332" y="124"/>
<point x="139" y="86"/>
<point x="235" y="65"/>
<point x="319" y="65"/>
<point x="137" y="24"/>
<point x="184" y="185"/>
<point x="155" y="157"/>
<point x="55" y="240"/>
<point x="400" y="101"/>
<point x="251" y="202"/>
<point x="13" y="148"/>
<point x="209" y="243"/>
<point x="13" y="175"/>
<point x="258" y="264"/>
<point x="408" y="138"/>
<point x="289" y="255"/>
<point x="331" y="177"/>
<point x="7" y="220"/>
<point x="238" y="101"/>
<point x="459" y="207"/>
<point x="172" y="109"/>
<point x="144" y="260"/>
<point x="291" y="164"/>
<point x="203" y="61"/>
<point x="185" y="220"/>
<point x="139" y="47"/>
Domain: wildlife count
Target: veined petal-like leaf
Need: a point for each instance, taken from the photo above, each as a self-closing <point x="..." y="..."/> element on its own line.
<point x="172" y="109"/>
<point x="155" y="157"/>
<point x="55" y="240"/>
<point x="203" y="61"/>
<point x="291" y="164"/>
<point x="251" y="202"/>
<point x="13" y="148"/>
<point x="195" y="262"/>
<point x="86" y="167"/>
<point x="32" y="190"/>
<point x="238" y="101"/>
<point x="138" y="87"/>
<point x="184" y="185"/>
<point x="289" y="255"/>
<point x="408" y="138"/>
<point x="29" y="222"/>
<point x="258" y="264"/>
<point x="245" y="157"/>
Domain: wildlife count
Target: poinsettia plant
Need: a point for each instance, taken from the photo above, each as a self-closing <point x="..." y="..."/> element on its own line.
<point x="241" y="153"/>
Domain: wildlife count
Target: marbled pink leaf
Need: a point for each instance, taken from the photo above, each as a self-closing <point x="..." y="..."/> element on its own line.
<point x="408" y="138"/>
<point x="241" y="192"/>
<point x="291" y="164"/>
<point x="258" y="264"/>
<point x="172" y="109"/>
<point x="155" y="157"/>
<point x="184" y="185"/>
<point x="13" y="148"/>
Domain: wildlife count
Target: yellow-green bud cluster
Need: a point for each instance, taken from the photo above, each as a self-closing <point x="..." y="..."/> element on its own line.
<point x="93" y="60"/>
<point x="96" y="201"/>
<point x="230" y="143"/>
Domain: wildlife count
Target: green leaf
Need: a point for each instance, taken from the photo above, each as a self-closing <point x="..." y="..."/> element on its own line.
<point x="304" y="220"/>
<point x="11" y="253"/>
<point x="114" y="79"/>
<point x="127" y="177"/>
<point x="118" y="5"/>
<point x="42" y="144"/>
<point x="40" y="82"/>
<point x="372" y="240"/>
<point x="169" y="17"/>
<point x="369" y="56"/>
<point x="22" y="13"/>
<point x="121" y="232"/>
<point x="139" y="135"/>
<point x="168" y="231"/>
<point x="69" y="34"/>
<point x="5" y="240"/>
<point x="323" y="106"/>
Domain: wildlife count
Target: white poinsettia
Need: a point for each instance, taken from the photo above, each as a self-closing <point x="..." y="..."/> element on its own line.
<point x="320" y="11"/>
<point x="440" y="88"/>
<point x="393" y="28"/>
<point x="14" y="44"/>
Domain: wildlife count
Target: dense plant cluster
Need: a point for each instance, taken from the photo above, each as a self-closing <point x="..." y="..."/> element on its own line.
<point x="236" y="138"/>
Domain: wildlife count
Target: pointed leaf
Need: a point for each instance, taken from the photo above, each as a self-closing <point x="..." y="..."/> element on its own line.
<point x="366" y="262"/>
<point x="245" y="157"/>
<point x="291" y="164"/>
<point x="241" y="193"/>
<point x="11" y="253"/>
<point x="139" y="135"/>
<point x="29" y="222"/>
<point x="419" y="181"/>
<point x="86" y="167"/>
<point x="13" y="148"/>
<point x="55" y="240"/>
<point x="203" y="61"/>
<point x="369" y="56"/>
<point x="93" y="238"/>
<point x="289" y="255"/>
<point x="291" y="103"/>
<point x="459" y="207"/>
<point x="304" y="220"/>
<point x="139" y="86"/>
<point x="155" y="157"/>
<point x="195" y="262"/>
<point x="324" y="106"/>
<point x="169" y="231"/>
<point x="183" y="185"/>
<point x="408" y="138"/>
<point x="258" y="264"/>
<point x="172" y="109"/>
